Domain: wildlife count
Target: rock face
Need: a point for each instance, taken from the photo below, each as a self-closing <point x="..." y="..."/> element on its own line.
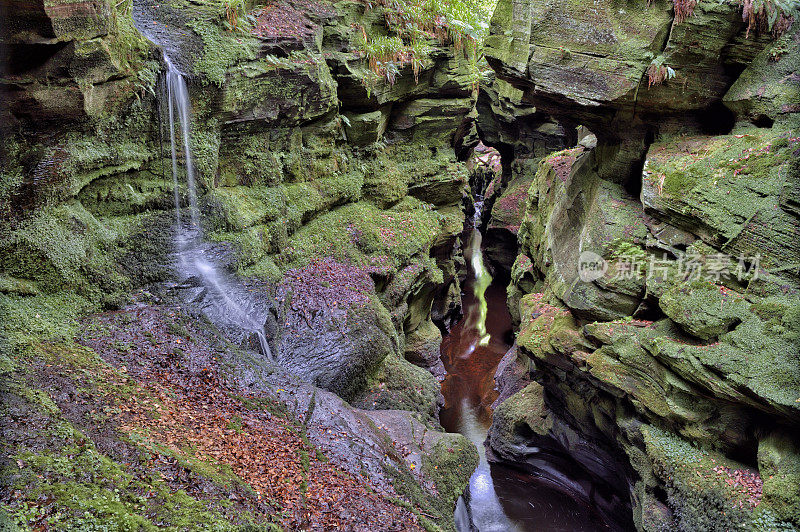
<point x="281" y="187"/>
<point x="656" y="284"/>
<point x="335" y="195"/>
<point x="522" y="136"/>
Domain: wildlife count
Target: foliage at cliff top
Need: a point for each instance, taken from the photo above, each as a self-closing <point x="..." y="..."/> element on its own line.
<point x="462" y="23"/>
<point x="763" y="16"/>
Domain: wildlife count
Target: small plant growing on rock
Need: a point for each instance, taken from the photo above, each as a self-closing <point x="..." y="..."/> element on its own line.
<point x="780" y="49"/>
<point x="236" y="17"/>
<point x="462" y="23"/>
<point x="775" y="16"/>
<point x="683" y="9"/>
<point x="658" y="72"/>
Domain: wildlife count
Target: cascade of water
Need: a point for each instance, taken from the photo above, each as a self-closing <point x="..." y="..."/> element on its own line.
<point x="178" y="97"/>
<point x="192" y="256"/>
<point x="482" y="277"/>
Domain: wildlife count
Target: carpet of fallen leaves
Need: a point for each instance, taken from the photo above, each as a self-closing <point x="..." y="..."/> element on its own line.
<point x="326" y="283"/>
<point x="192" y="409"/>
<point x="278" y="20"/>
<point x="748" y="482"/>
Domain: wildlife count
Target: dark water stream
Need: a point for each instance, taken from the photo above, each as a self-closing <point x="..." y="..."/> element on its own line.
<point x="498" y="498"/>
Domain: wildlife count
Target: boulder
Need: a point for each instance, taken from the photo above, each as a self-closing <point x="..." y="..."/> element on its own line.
<point x="366" y="128"/>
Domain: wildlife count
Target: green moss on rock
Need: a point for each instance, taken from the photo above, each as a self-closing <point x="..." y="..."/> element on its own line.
<point x="400" y="385"/>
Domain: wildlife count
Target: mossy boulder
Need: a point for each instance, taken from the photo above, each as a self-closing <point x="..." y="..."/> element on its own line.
<point x="705" y="490"/>
<point x="366" y="128"/>
<point x="397" y="384"/>
<point x="335" y="334"/>
<point x="422" y="344"/>
<point x="437" y="469"/>
<point x="779" y="465"/>
<point x="516" y="419"/>
<point x="703" y="309"/>
<point x="429" y="120"/>
<point x="764" y="91"/>
<point x="728" y="197"/>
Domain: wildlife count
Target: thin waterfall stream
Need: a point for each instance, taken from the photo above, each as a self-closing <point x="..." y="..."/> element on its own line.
<point x="498" y="498"/>
<point x="224" y="300"/>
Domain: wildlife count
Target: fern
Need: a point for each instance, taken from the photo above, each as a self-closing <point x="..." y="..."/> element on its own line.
<point x="414" y="23"/>
<point x="769" y="16"/>
<point x="658" y="72"/>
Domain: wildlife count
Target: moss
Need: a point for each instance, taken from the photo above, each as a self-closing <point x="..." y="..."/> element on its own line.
<point x="131" y="193"/>
<point x="237" y="208"/>
<point x="704" y="309"/>
<point x="11" y="172"/>
<point x="722" y="187"/>
<point x="12" y="286"/>
<point x="309" y="198"/>
<point x="628" y="367"/>
<point x="205" y="143"/>
<point x="251" y="161"/>
<point x="450" y="464"/>
<point x="47" y="316"/>
<point x="91" y="490"/>
<point x="697" y="487"/>
<point x="301" y="91"/>
<point x="87" y="489"/>
<point x="221" y="49"/>
<point x="144" y="254"/>
<point x="127" y="46"/>
<point x="755" y="355"/>
<point x="364" y="235"/>
<point x="80" y="158"/>
<point x="546" y="331"/>
<point x="763" y="88"/>
<point x="623" y="248"/>
<point x="265" y="269"/>
<point x="400" y="385"/>
<point x="519" y="415"/>
<point x="66" y="248"/>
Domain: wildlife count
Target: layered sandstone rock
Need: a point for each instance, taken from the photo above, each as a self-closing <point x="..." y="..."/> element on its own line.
<point x="677" y="363"/>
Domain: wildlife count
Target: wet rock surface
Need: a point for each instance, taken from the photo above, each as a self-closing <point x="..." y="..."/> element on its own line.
<point x="334" y="246"/>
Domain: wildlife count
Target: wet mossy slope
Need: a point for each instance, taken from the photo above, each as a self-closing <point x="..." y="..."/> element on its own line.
<point x="332" y="193"/>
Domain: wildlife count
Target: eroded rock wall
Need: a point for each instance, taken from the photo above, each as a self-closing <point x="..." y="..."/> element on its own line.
<point x="656" y="283"/>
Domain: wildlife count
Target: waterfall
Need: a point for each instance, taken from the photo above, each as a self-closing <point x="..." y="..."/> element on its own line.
<point x="482" y="277"/>
<point x="178" y="98"/>
<point x="224" y="300"/>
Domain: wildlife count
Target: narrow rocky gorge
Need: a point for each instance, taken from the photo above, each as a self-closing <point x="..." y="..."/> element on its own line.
<point x="233" y="240"/>
<point x="672" y="374"/>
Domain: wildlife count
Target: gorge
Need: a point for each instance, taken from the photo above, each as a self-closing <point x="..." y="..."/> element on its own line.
<point x="397" y="265"/>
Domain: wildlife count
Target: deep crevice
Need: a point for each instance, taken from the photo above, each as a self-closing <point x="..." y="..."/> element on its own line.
<point x="717" y="119"/>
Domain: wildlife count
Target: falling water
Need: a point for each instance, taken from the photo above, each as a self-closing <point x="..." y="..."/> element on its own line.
<point x="193" y="254"/>
<point x="482" y="277"/>
<point x="498" y="498"/>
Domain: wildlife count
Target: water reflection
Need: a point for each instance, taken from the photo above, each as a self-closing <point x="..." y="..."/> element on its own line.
<point x="498" y="498"/>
